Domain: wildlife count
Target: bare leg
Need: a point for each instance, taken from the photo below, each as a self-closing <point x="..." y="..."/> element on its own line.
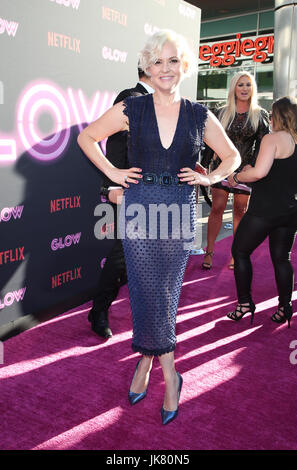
<point x="171" y="381"/>
<point x="141" y="378"/>
<point x="219" y="202"/>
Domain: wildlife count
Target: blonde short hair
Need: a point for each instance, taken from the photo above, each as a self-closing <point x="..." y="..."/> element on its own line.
<point x="153" y="47"/>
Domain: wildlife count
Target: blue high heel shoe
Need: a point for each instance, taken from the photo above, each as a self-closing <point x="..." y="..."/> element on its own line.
<point x="168" y="416"/>
<point x="136" y="397"/>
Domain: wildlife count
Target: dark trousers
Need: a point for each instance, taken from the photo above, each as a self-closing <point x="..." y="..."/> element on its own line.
<point x="250" y="233"/>
<point x="113" y="276"/>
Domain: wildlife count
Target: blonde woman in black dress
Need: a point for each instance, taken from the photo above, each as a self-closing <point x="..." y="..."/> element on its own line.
<point x="245" y="124"/>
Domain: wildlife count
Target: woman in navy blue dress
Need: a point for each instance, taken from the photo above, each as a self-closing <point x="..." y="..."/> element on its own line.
<point x="158" y="212"/>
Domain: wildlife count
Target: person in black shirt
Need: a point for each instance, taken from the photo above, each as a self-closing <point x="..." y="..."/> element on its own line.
<point x="272" y="212"/>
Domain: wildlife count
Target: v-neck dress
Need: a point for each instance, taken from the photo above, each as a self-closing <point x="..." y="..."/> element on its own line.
<point x="157" y="220"/>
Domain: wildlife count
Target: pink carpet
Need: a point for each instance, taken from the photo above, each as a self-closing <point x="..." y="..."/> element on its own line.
<point x="62" y="388"/>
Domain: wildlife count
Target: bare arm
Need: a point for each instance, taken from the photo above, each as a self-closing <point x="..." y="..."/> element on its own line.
<point x="216" y="138"/>
<point x="264" y="162"/>
<point x="114" y="120"/>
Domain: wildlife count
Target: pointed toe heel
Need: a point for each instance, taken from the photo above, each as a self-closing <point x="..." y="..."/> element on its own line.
<point x="136" y="397"/>
<point x="168" y="416"/>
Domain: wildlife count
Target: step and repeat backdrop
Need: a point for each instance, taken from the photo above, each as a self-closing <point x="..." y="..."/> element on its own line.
<point x="62" y="64"/>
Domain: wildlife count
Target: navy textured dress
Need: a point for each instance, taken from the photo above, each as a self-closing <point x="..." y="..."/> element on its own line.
<point x="157" y="220"/>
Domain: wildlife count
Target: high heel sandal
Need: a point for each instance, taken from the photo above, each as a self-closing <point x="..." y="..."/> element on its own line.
<point x="207" y="265"/>
<point x="168" y="416"/>
<point x="136" y="397"/>
<point x="283" y="314"/>
<point x="250" y="309"/>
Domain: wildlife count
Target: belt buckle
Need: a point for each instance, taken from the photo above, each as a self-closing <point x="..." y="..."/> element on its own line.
<point x="149" y="178"/>
<point x="166" y="179"/>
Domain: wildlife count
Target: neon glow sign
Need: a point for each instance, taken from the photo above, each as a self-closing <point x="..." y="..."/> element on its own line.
<point x="65" y="108"/>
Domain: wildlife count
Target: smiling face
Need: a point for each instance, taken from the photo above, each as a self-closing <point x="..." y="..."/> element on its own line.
<point x="167" y="70"/>
<point x="243" y="89"/>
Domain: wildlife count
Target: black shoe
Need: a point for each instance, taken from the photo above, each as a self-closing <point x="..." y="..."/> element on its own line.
<point x="283" y="314"/>
<point x="99" y="323"/>
<point x="238" y="313"/>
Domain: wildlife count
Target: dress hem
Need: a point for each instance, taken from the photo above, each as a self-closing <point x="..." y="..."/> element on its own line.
<point x="155" y="352"/>
<point x="230" y="190"/>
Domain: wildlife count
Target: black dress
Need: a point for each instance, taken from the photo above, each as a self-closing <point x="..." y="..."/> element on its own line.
<point x="247" y="142"/>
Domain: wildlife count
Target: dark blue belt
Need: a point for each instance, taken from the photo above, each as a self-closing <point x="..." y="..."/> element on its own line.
<point x="164" y="179"/>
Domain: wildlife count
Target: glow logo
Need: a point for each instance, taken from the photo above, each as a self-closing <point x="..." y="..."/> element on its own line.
<point x="60" y="243"/>
<point x="65" y="108"/>
<point x="149" y="29"/>
<point x="68" y="3"/>
<point x="186" y="11"/>
<point x="114" y="54"/>
<point x="11" y="297"/>
<point x="8" y="27"/>
<point x="11" y="212"/>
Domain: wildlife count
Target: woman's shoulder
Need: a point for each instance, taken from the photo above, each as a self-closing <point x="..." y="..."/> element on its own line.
<point x="196" y="112"/>
<point x="196" y="106"/>
<point x="137" y="98"/>
<point x="282" y="135"/>
<point x="134" y="104"/>
<point x="271" y="139"/>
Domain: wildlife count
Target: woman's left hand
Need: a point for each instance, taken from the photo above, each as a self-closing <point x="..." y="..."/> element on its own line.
<point x="193" y="177"/>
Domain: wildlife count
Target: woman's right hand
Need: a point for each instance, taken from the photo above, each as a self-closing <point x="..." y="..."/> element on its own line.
<point x="123" y="177"/>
